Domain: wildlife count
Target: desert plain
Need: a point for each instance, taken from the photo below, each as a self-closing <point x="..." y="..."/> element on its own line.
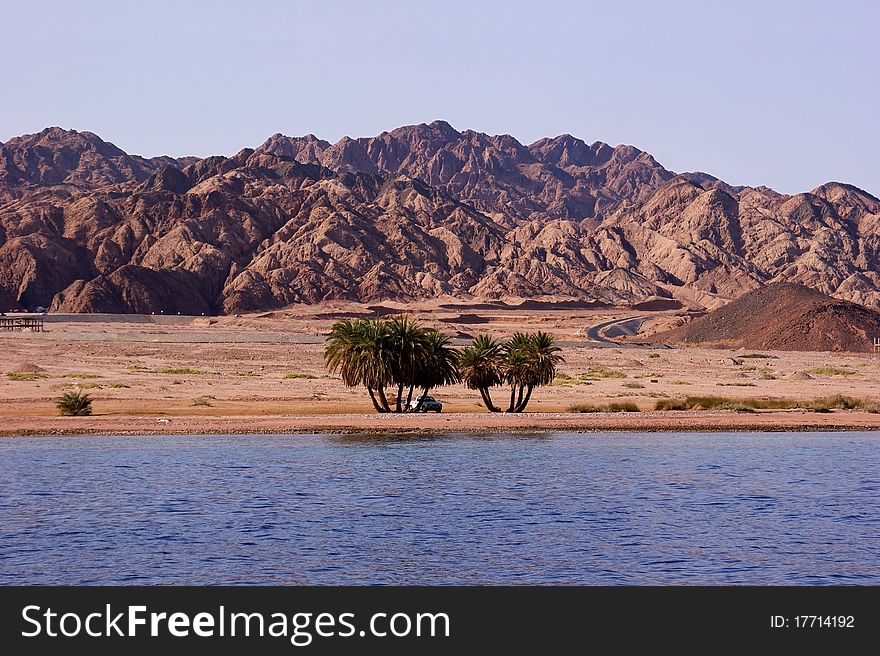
<point x="264" y="373"/>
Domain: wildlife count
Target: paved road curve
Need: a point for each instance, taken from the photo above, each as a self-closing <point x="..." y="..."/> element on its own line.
<point x="596" y="333"/>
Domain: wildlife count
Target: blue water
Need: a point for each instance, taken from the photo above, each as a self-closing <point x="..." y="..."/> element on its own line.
<point x="562" y="508"/>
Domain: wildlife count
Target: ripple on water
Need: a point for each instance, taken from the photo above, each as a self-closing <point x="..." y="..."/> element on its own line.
<point x="613" y="509"/>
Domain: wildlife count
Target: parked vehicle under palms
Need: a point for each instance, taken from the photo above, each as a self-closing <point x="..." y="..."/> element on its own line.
<point x="424" y="403"/>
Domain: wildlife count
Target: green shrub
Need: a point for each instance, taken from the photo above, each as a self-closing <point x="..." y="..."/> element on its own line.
<point x="837" y="402"/>
<point x="614" y="406"/>
<point x="622" y="406"/>
<point x="599" y="371"/>
<point x="671" y="404"/>
<point x="293" y="376"/>
<point x="563" y="378"/>
<point x="25" y="376"/>
<point x="83" y="376"/>
<point x="832" y="371"/>
<point x="182" y="371"/>
<point x="75" y="404"/>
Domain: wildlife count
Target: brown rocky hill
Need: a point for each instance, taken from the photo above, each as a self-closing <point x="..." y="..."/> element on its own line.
<point x="419" y="212"/>
<point x="783" y="316"/>
<point x="55" y="156"/>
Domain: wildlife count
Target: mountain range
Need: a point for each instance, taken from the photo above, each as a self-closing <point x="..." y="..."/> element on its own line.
<point x="423" y="211"/>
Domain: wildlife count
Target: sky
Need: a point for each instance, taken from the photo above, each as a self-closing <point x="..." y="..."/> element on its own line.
<point x="781" y="93"/>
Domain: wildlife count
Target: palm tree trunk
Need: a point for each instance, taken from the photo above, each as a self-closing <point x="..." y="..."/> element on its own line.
<point x="487" y="400"/>
<point x="399" y="398"/>
<point x="376" y="405"/>
<point x="519" y="397"/>
<point x="381" y="392"/>
<point x="512" y="405"/>
<point x="524" y="402"/>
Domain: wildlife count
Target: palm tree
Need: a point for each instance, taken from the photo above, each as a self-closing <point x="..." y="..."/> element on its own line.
<point x="481" y="366"/>
<point x="376" y="353"/>
<point x="439" y="366"/>
<point x="516" y="366"/>
<point x="540" y="354"/>
<point x="410" y="345"/>
<point x="362" y="353"/>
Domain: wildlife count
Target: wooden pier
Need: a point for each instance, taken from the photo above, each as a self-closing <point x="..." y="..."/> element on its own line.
<point x="34" y="324"/>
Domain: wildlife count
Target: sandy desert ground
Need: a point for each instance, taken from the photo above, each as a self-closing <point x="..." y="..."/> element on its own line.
<point x="264" y="373"/>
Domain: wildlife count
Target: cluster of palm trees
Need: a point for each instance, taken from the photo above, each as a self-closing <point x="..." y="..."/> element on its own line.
<point x="526" y="361"/>
<point x="401" y="356"/>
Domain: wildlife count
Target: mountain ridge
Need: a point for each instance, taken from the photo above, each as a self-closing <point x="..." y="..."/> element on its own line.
<point x="417" y="212"/>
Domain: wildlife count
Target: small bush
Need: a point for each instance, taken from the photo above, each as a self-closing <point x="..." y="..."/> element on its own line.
<point x="633" y="386"/>
<point x="832" y="371"/>
<point x="599" y="371"/>
<point x="836" y="402"/>
<point x="737" y="385"/>
<point x="25" y="376"/>
<point x="201" y="401"/>
<point x="654" y="355"/>
<point x="293" y="376"/>
<point x="75" y="404"/>
<point x="759" y="356"/>
<point x="82" y="376"/>
<point x="615" y="406"/>
<point x="622" y="406"/>
<point x="182" y="371"/>
<point x="119" y="386"/>
<point x="671" y="404"/>
<point x="246" y="374"/>
<point x="678" y="382"/>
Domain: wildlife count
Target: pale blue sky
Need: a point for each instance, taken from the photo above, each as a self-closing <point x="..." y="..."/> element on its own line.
<point x="783" y="93"/>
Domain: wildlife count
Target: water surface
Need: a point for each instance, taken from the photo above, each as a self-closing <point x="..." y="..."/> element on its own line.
<point x="616" y="508"/>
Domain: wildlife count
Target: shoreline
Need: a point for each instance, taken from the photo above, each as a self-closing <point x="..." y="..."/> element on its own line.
<point x="423" y="424"/>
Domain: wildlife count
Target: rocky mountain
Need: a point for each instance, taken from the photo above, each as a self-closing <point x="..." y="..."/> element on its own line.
<point x="82" y="159"/>
<point x="783" y="316"/>
<point x="422" y="211"/>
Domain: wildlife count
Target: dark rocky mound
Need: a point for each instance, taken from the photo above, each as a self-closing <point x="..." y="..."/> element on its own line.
<point x="785" y="317"/>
